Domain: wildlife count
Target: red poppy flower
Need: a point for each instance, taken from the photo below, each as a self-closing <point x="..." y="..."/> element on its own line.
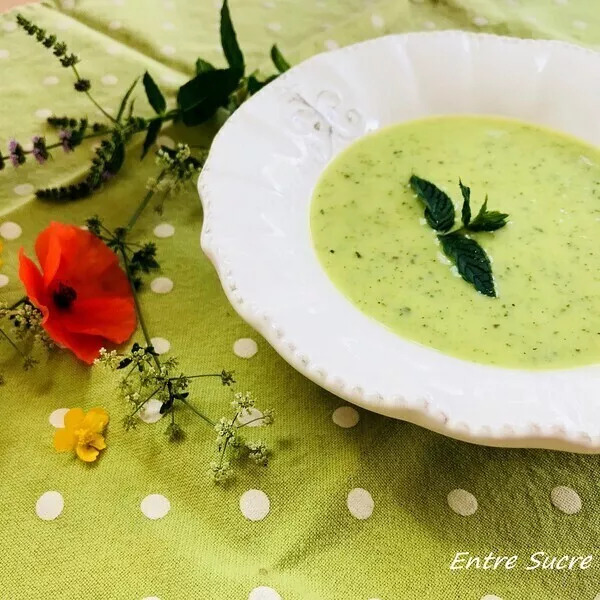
<point x="82" y="292"/>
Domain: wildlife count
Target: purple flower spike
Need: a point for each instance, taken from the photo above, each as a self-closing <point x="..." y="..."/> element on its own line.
<point x="64" y="135"/>
<point x="16" y="153"/>
<point x="40" y="153"/>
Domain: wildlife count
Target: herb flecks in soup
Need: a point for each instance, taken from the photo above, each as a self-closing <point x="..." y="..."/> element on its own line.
<point x="372" y="240"/>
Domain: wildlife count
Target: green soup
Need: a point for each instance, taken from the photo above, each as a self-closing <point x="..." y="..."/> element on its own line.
<point x="370" y="236"/>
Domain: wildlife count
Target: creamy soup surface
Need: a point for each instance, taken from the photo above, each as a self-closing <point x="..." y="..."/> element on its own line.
<point x="370" y="237"/>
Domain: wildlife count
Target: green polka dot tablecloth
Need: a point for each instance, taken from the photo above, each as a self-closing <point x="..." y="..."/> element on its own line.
<point x="353" y="505"/>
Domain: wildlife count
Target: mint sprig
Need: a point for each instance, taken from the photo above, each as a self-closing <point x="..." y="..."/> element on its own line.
<point x="439" y="210"/>
<point x="470" y="258"/>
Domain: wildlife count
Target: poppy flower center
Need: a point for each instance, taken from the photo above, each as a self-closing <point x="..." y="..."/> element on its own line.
<point x="64" y="296"/>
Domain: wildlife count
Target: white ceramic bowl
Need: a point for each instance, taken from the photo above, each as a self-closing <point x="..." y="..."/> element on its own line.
<point x="256" y="191"/>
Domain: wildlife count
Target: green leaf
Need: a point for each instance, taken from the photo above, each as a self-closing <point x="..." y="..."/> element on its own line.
<point x="155" y="98"/>
<point x="125" y="99"/>
<point x="487" y="220"/>
<point x="255" y="85"/>
<point x="151" y="135"/>
<point x="439" y="210"/>
<point x="130" y="111"/>
<point x="466" y="207"/>
<point x="200" y="97"/>
<point x="202" y="66"/>
<point x="114" y="164"/>
<point x="471" y="261"/>
<point x="229" y="43"/>
<point x="280" y="63"/>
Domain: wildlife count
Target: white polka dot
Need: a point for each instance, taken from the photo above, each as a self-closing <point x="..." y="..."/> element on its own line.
<point x="254" y="505"/>
<point x="566" y="499"/>
<point x="28" y="146"/>
<point x="155" y="506"/>
<point x="491" y="597"/>
<point x="23" y="189"/>
<point x="252" y="416"/>
<point x="377" y="21"/>
<point x="164" y="230"/>
<point x="50" y="80"/>
<point x="168" y="50"/>
<point x="561" y="2"/>
<point x="168" y="26"/>
<point x="151" y="598"/>
<point x="109" y="79"/>
<point x="274" y="27"/>
<point x="345" y="416"/>
<point x="245" y="348"/>
<point x="168" y="5"/>
<point x="263" y="593"/>
<point x="161" y="346"/>
<point x="10" y="230"/>
<point x="165" y="140"/>
<point x="57" y="417"/>
<point x="331" y="44"/>
<point x="269" y="5"/>
<point x="4" y="53"/>
<point x="462" y="502"/>
<point x="150" y="412"/>
<point x="161" y="285"/>
<point x="43" y="113"/>
<point x="9" y="26"/>
<point x="118" y="2"/>
<point x="68" y="4"/>
<point x="114" y="49"/>
<point x="480" y="21"/>
<point x="360" y="503"/>
<point x="580" y="25"/>
<point x="429" y="25"/>
<point x="114" y="25"/>
<point x="4" y="280"/>
<point x="63" y="25"/>
<point x="49" y="505"/>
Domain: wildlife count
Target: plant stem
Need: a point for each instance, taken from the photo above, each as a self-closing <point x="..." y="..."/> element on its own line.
<point x="91" y="98"/>
<point x="195" y="410"/>
<point x="57" y="144"/>
<point x="6" y="336"/>
<point x="195" y="376"/>
<point x="144" y="203"/>
<point x="138" y="308"/>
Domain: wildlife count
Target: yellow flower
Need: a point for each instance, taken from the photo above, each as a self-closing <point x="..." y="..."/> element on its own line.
<point x="82" y="433"/>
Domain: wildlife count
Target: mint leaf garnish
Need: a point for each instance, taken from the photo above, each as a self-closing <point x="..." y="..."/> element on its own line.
<point x="466" y="207"/>
<point x="471" y="261"/>
<point x="439" y="210"/>
<point x="487" y="220"/>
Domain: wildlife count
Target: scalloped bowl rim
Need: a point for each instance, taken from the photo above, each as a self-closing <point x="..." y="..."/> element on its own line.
<point x="561" y="424"/>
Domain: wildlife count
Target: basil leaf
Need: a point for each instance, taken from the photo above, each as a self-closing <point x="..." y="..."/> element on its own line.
<point x="151" y="135"/>
<point x="155" y="98"/>
<point x="200" y="97"/>
<point x="229" y="43"/>
<point x="255" y="85"/>
<point x="487" y="220"/>
<point x="280" y="63"/>
<point x="471" y="261"/>
<point x="202" y="66"/>
<point x="125" y="99"/>
<point x="439" y="210"/>
<point x="466" y="207"/>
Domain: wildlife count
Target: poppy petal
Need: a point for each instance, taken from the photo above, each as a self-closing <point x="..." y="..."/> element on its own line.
<point x="85" y="347"/>
<point x="32" y="279"/>
<point x="111" y="318"/>
<point x="48" y="250"/>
